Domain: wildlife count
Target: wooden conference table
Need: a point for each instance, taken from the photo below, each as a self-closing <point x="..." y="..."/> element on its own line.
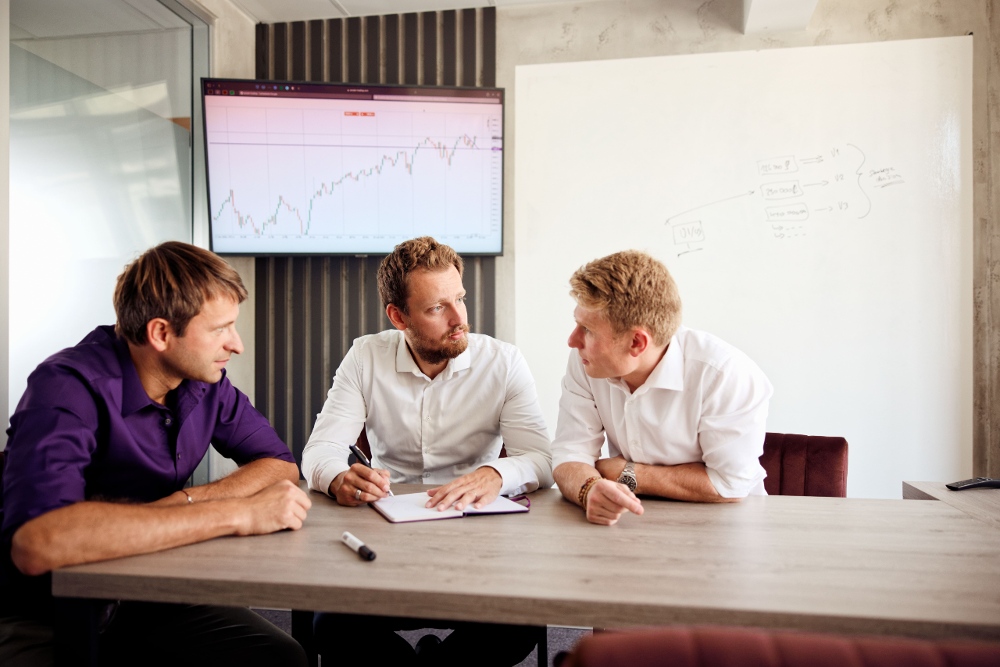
<point x="831" y="564"/>
<point x="982" y="504"/>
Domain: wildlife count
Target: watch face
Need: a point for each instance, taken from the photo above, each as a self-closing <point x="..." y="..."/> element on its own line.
<point x="627" y="478"/>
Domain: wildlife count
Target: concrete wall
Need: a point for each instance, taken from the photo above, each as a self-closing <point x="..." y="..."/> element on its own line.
<point x="638" y="28"/>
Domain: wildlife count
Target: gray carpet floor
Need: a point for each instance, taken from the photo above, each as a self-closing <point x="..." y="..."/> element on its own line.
<point x="560" y="638"/>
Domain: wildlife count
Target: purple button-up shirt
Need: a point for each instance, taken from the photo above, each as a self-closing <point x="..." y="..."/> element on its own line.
<point x="85" y="429"/>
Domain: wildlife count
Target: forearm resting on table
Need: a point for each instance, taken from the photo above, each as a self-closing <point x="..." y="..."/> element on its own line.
<point x="245" y="481"/>
<point x="91" y="531"/>
<point x="571" y="476"/>
<point x="687" y="481"/>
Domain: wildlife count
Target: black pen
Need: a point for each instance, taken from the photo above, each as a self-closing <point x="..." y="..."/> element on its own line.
<point x="363" y="460"/>
<point x="356" y="545"/>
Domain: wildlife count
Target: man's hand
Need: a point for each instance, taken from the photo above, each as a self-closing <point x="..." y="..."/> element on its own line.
<point x="478" y="488"/>
<point x="280" y="506"/>
<point x="611" y="468"/>
<point x="608" y="500"/>
<point x="373" y="483"/>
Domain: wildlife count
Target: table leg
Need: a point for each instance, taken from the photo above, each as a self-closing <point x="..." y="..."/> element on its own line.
<point x="302" y="632"/>
<point x="75" y="631"/>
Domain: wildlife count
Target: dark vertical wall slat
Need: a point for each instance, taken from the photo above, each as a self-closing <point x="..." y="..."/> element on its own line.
<point x="263" y="393"/>
<point x="298" y="48"/>
<point x="310" y="309"/>
<point x="411" y="49"/>
<point x="315" y="51"/>
<point x="428" y="25"/>
<point x="355" y="307"/>
<point x="470" y="280"/>
<point x="317" y="376"/>
<point x="392" y="35"/>
<point x="335" y="50"/>
<point x="488" y="51"/>
<point x="469" y="43"/>
<point x="375" y="317"/>
<point x="354" y="59"/>
<point x="373" y="69"/>
<point x="449" y="48"/>
<point x="279" y="60"/>
<point x="298" y="428"/>
<point x="278" y="410"/>
<point x="488" y="290"/>
<point x="263" y="64"/>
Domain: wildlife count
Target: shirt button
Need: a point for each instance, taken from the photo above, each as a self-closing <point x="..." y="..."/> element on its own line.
<point x="168" y="421"/>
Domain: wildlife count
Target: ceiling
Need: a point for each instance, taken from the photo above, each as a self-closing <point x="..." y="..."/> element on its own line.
<point x="273" y="11"/>
<point x="46" y="19"/>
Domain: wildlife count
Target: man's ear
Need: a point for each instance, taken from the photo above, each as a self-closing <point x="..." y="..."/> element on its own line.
<point x="639" y="342"/>
<point x="396" y="316"/>
<point x="158" y="333"/>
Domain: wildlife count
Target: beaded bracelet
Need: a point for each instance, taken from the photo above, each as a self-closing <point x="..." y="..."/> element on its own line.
<point x="584" y="490"/>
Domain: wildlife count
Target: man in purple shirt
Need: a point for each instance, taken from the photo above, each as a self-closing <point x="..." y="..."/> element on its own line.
<point x="100" y="448"/>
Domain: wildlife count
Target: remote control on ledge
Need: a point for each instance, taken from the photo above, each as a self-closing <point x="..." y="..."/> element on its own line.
<point x="975" y="483"/>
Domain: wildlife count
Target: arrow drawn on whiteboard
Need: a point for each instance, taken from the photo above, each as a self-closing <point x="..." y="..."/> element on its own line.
<point x="713" y="203"/>
<point x="858" y="172"/>
<point x="821" y="183"/>
<point x="812" y="160"/>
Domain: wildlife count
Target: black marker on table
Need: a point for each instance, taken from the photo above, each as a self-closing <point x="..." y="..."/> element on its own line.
<point x="363" y="460"/>
<point x="356" y="545"/>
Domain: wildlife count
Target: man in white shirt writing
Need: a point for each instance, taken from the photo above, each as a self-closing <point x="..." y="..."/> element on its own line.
<point x="437" y="404"/>
<point x="683" y="412"/>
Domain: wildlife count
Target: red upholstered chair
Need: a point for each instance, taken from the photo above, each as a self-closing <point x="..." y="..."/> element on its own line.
<point x="804" y="465"/>
<point x="739" y="647"/>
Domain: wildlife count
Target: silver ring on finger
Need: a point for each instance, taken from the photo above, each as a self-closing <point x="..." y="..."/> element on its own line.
<point x="357" y="494"/>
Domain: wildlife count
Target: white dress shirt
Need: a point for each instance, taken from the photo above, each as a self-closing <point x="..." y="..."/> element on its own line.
<point x="432" y="431"/>
<point x="705" y="401"/>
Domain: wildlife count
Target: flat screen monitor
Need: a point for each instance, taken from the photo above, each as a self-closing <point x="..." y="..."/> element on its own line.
<point x="322" y="168"/>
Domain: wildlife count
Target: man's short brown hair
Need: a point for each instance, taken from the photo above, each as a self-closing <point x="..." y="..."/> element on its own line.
<point x="422" y="253"/>
<point x="172" y="281"/>
<point x="631" y="289"/>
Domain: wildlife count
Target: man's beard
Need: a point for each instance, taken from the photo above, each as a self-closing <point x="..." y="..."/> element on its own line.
<point x="434" y="353"/>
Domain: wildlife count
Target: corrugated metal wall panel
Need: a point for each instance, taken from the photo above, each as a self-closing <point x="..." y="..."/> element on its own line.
<point x="310" y="309"/>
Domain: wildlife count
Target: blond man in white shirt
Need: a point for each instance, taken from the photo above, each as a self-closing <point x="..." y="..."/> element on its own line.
<point x="437" y="403"/>
<point x="683" y="412"/>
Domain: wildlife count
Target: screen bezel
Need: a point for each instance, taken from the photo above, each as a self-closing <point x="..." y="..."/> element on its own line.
<point x="351" y="91"/>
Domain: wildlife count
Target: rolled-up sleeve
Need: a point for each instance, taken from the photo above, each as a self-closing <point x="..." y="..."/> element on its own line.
<point x="53" y="441"/>
<point x="337" y="427"/>
<point x="579" y="431"/>
<point x="732" y="427"/>
<point x="241" y="433"/>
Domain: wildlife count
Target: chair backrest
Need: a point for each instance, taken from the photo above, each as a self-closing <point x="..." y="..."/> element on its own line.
<point x="737" y="647"/>
<point x="804" y="465"/>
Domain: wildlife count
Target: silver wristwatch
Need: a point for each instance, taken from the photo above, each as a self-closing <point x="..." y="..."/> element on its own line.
<point x="628" y="476"/>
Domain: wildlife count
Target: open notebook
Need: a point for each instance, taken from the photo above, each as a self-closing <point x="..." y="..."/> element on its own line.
<point x="410" y="507"/>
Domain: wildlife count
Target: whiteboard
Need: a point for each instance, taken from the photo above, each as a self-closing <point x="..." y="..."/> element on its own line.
<point x="813" y="204"/>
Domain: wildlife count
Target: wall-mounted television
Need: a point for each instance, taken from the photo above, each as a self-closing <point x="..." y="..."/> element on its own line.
<point x="330" y="168"/>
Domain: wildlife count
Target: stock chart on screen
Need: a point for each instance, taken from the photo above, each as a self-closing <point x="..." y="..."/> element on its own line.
<point x="351" y="169"/>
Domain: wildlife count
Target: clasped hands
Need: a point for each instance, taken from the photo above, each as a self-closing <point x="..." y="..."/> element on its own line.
<point x="478" y="488"/>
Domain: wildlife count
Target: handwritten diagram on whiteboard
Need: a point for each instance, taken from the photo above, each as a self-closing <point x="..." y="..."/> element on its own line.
<point x="813" y="204"/>
<point x="795" y="194"/>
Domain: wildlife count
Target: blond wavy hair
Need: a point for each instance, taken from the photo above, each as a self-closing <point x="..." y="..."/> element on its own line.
<point x="631" y="289"/>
